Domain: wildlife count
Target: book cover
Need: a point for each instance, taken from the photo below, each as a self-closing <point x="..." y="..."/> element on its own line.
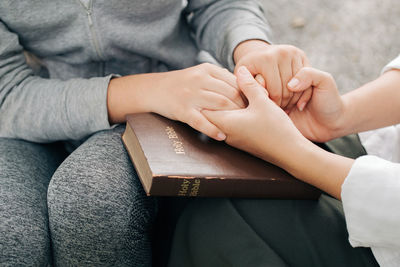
<point x="172" y="159"/>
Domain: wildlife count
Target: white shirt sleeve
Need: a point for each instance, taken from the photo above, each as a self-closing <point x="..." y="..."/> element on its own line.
<point x="371" y="193"/>
<point x="371" y="203"/>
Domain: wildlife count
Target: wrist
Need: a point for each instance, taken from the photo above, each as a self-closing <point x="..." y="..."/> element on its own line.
<point x="129" y="94"/>
<point x="113" y="96"/>
<point x="290" y="155"/>
<point x="344" y="122"/>
<point x="322" y="169"/>
<point x="248" y="46"/>
<point x="373" y="105"/>
<point x="296" y="157"/>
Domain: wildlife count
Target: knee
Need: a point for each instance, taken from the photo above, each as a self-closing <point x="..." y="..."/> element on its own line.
<point x="99" y="194"/>
<point x="98" y="213"/>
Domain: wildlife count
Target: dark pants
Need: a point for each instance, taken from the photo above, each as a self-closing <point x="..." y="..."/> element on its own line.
<point x="263" y="232"/>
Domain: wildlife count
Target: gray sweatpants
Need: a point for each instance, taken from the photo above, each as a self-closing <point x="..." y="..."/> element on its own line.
<point x="86" y="210"/>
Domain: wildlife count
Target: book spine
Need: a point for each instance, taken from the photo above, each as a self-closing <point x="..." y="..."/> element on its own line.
<point x="220" y="187"/>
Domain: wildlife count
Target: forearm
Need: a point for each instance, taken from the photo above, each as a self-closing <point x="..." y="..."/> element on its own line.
<point x="221" y="25"/>
<point x="131" y="94"/>
<point x="48" y="110"/>
<point x="374" y="105"/>
<point x="313" y="165"/>
<point x="326" y="171"/>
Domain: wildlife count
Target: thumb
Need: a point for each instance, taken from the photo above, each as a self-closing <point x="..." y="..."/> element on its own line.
<point x="249" y="86"/>
<point x="218" y="117"/>
<point x="307" y="77"/>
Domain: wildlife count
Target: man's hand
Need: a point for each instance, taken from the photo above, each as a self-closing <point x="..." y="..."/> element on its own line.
<point x="277" y="64"/>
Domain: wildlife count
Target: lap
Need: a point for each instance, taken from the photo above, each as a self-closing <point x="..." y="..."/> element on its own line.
<point x="261" y="232"/>
<point x="97" y="203"/>
<point x="25" y="171"/>
<point x="100" y="170"/>
<point x="28" y="164"/>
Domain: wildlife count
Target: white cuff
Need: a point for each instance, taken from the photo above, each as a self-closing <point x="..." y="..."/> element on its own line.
<point x="371" y="201"/>
<point x="394" y="64"/>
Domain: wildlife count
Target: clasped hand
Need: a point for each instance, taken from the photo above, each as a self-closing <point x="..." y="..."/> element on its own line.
<point x="265" y="130"/>
<point x="269" y="116"/>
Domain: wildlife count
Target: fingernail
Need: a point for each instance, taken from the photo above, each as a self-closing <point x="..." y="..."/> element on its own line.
<point x="242" y="70"/>
<point x="221" y="136"/>
<point x="302" y="105"/>
<point x="293" y="83"/>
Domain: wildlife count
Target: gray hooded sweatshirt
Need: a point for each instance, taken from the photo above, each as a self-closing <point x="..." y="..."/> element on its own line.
<point x="80" y="44"/>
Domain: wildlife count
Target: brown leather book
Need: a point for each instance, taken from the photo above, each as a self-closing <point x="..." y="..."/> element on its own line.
<point x="172" y="159"/>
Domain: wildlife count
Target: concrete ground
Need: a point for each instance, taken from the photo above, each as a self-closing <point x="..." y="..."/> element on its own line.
<point x="351" y="39"/>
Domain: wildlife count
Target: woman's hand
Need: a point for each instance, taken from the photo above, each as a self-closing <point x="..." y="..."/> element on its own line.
<point x="328" y="115"/>
<point x="183" y="94"/>
<point x="276" y="64"/>
<point x="319" y="115"/>
<point x="263" y="128"/>
<point x="179" y="95"/>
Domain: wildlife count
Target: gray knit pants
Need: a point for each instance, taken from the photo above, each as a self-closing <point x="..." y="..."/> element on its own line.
<point x="86" y="210"/>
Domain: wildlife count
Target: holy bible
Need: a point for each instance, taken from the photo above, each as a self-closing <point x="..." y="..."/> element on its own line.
<point x="172" y="159"/>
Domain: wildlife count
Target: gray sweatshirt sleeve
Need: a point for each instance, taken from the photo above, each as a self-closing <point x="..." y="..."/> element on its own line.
<point x="219" y="26"/>
<point x="45" y="110"/>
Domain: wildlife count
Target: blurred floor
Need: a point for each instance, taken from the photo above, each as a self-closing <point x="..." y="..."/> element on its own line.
<point x="351" y="39"/>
